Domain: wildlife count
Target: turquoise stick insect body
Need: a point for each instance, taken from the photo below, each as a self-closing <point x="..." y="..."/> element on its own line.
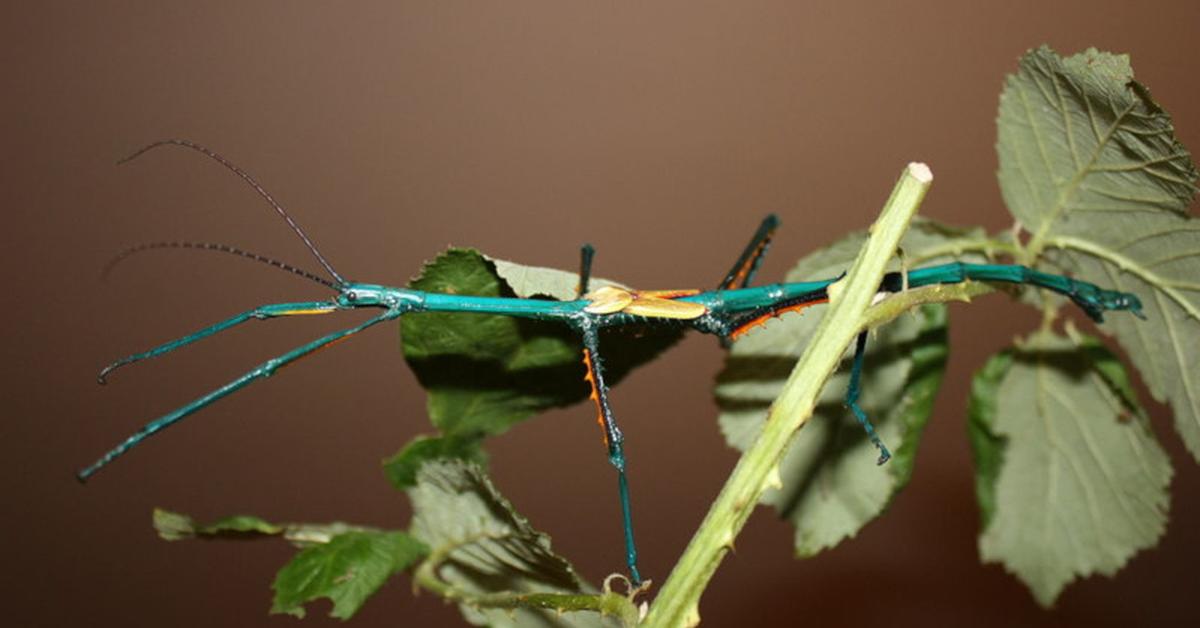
<point x="728" y="311"/>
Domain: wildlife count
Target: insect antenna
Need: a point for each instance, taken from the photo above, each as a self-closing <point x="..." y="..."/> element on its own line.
<point x="245" y="176"/>
<point x="212" y="246"/>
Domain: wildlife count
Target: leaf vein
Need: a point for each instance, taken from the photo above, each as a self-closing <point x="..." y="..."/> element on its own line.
<point x="1139" y="330"/>
<point x="1177" y="345"/>
<point x="1121" y="196"/>
<point x="1128" y="265"/>
<point x="1155" y="234"/>
<point x="1089" y="492"/>
<point x="1066" y="118"/>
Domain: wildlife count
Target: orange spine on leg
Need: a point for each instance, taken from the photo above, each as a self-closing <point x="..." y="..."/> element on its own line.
<point x="758" y="321"/>
<point x="595" y="396"/>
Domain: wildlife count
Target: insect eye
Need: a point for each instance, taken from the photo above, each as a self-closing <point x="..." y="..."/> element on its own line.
<point x="351" y="296"/>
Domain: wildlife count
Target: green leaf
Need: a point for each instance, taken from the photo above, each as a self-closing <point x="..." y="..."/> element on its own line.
<point x="536" y="281"/>
<point x="483" y="373"/>
<point x="1090" y="165"/>
<point x="986" y="445"/>
<point x="1081" y="141"/>
<point x="347" y="570"/>
<point x="401" y="469"/>
<point x="1071" y="482"/>
<point x="485" y="547"/>
<point x="830" y="484"/>
<point x="341" y="562"/>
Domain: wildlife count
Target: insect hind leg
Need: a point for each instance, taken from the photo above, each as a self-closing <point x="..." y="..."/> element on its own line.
<point x="852" y="392"/>
<point x="264" y="370"/>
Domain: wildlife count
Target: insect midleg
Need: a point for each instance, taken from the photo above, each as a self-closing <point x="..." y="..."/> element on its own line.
<point x="614" y="440"/>
<point x="586" y="253"/>
<point x="747" y="264"/>
<point x="273" y="310"/>
<point x="261" y="371"/>
<point x="852" y="392"/>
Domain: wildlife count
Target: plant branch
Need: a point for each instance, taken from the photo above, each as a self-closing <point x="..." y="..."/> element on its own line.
<point x="758" y="469"/>
<point x="990" y="247"/>
<point x="607" y="603"/>
<point x="892" y="307"/>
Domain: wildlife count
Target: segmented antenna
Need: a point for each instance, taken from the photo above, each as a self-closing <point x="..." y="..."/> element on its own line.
<point x="213" y="246"/>
<point x="245" y="176"/>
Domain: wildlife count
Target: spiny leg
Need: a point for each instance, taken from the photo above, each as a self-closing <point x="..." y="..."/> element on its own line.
<point x="760" y="316"/>
<point x="266" y="369"/>
<point x="614" y="440"/>
<point x="747" y="264"/>
<point x="852" y="391"/>
<point x="586" y="253"/>
<point x="266" y="311"/>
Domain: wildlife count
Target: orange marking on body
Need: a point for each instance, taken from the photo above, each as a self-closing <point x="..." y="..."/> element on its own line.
<point x="762" y="320"/>
<point x="595" y="396"/>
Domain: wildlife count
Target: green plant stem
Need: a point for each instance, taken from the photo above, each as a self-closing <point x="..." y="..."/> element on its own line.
<point x="989" y="247"/>
<point x="607" y="603"/>
<point x="758" y="469"/>
<point x="897" y="304"/>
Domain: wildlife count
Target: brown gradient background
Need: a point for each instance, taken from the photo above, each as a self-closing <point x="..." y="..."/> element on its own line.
<point x="660" y="133"/>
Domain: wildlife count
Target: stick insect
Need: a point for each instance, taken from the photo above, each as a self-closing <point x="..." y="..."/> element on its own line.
<point x="728" y="311"/>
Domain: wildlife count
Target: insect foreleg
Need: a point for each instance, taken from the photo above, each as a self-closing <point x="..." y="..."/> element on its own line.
<point x="266" y="369"/>
<point x="267" y="311"/>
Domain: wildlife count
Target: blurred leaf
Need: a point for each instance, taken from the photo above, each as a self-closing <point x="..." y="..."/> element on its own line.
<point x="831" y="486"/>
<point x="347" y="570"/>
<point x="1071" y="481"/>
<point x="1090" y="165"/>
<point x="488" y="547"/>
<point x="175" y="526"/>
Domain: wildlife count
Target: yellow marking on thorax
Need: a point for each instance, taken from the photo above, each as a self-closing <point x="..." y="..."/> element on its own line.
<point x="321" y="310"/>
